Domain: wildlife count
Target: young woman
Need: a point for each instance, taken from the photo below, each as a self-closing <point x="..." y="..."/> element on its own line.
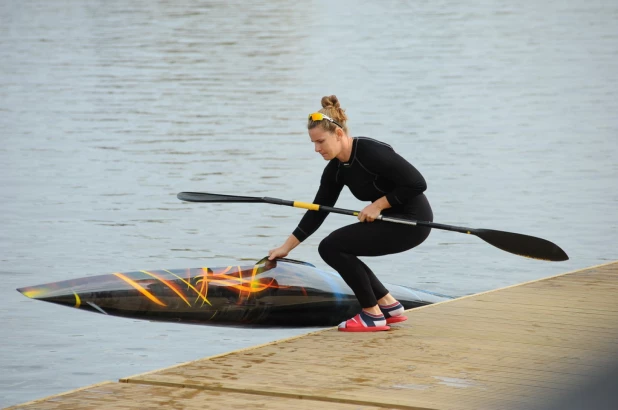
<point x="373" y="172"/>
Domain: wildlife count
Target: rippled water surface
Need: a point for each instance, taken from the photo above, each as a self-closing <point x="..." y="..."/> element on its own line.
<point x="109" y="108"/>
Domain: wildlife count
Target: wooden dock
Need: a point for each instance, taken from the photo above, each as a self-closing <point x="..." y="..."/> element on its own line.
<point x="519" y="347"/>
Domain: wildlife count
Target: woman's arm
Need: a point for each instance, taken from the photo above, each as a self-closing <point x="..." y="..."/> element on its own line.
<point x="381" y="159"/>
<point x="327" y="195"/>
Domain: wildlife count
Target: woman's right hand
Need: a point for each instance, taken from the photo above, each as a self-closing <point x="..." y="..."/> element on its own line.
<point x="280" y="252"/>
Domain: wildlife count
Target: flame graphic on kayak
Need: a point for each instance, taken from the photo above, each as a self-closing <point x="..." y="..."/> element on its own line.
<point x="236" y="281"/>
<point x="231" y="278"/>
<point x="140" y="288"/>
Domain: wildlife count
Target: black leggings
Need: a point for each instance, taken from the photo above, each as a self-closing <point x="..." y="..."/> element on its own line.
<point x="342" y="247"/>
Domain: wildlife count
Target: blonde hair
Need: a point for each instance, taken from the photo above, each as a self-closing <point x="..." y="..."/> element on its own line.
<point x="332" y="109"/>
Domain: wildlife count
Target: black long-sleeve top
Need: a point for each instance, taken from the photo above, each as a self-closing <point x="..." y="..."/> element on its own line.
<point x="373" y="171"/>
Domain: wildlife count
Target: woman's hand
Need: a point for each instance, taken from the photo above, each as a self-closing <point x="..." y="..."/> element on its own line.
<point x="283" y="250"/>
<point x="280" y="252"/>
<point x="372" y="211"/>
<point x="369" y="213"/>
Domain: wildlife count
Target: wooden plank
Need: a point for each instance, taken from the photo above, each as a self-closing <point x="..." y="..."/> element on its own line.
<point x="580" y="310"/>
<point x="471" y="311"/>
<point x="109" y="396"/>
<point x="546" y="302"/>
<point x="41" y="403"/>
<point x="520" y="323"/>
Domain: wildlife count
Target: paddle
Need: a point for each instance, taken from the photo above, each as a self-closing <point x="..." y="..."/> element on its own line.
<point x="523" y="245"/>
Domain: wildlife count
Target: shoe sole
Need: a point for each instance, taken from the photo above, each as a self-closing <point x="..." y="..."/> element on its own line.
<point x="364" y="329"/>
<point x="396" y="319"/>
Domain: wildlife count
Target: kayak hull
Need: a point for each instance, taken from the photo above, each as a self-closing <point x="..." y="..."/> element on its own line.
<point x="271" y="293"/>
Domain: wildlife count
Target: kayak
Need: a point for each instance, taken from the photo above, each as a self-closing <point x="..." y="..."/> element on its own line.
<point x="284" y="292"/>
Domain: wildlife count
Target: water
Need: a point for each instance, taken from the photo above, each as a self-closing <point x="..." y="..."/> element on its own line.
<point x="109" y="108"/>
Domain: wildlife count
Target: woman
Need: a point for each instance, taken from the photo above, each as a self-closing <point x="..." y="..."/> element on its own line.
<point x="374" y="172"/>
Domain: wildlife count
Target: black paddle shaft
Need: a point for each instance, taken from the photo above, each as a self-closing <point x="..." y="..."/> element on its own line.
<point x="516" y="243"/>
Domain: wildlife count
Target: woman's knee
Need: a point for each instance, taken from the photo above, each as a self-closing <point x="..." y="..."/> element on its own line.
<point x="326" y="249"/>
<point x="323" y="248"/>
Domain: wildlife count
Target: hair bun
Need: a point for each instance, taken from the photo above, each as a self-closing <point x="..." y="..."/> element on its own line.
<point x="330" y="101"/>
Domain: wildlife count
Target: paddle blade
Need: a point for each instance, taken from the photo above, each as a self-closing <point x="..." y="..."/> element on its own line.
<point x="523" y="245"/>
<point x="206" y="197"/>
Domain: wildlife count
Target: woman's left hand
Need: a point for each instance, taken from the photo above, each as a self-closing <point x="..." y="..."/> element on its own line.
<point x="370" y="213"/>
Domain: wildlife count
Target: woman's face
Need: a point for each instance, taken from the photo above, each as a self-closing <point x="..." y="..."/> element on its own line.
<point x="327" y="144"/>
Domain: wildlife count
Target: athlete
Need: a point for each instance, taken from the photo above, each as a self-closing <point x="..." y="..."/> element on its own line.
<point x="374" y="172"/>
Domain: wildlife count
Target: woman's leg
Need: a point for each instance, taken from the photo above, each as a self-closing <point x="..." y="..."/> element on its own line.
<point x="342" y="247"/>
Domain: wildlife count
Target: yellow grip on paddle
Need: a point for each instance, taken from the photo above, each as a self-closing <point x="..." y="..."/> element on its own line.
<point x="307" y="205"/>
